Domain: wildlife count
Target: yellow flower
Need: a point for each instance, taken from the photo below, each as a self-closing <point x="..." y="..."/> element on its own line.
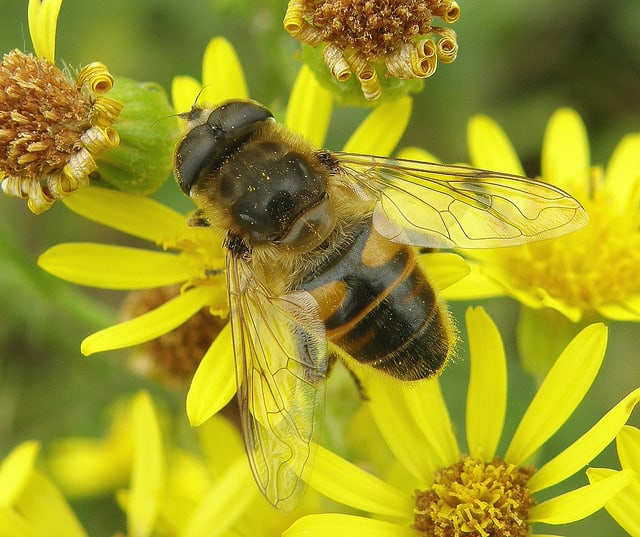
<point x="51" y="127"/>
<point x="193" y="257"/>
<point x="595" y="270"/>
<point x="625" y="506"/>
<point x="30" y="504"/>
<point x="444" y="490"/>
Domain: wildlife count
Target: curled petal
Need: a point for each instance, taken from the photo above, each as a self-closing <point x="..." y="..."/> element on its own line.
<point x="365" y="73"/>
<point x="293" y="19"/>
<point x="97" y="78"/>
<point x="106" y="110"/>
<point x="336" y="63"/>
<point x="453" y="14"/>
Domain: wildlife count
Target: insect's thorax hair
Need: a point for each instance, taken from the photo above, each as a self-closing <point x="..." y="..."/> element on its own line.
<point x="271" y="262"/>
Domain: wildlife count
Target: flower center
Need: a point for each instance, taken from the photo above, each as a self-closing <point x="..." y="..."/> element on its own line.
<point x="475" y="498"/>
<point x="594" y="266"/>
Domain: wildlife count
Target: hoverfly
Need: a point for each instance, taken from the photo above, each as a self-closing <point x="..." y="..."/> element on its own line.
<point x="319" y="248"/>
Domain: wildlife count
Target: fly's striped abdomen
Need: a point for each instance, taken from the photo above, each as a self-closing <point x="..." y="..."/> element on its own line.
<point x="379" y="307"/>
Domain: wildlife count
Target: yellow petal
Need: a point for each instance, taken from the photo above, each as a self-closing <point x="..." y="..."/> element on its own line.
<point x="382" y="129"/>
<point x="487" y="392"/>
<point x="443" y="268"/>
<point x="136" y="215"/>
<point x="348" y="484"/>
<point x="214" y="382"/>
<point x="395" y="422"/>
<point x="628" y="444"/>
<point x="148" y="472"/>
<point x="14" y="525"/>
<point x="150" y="325"/>
<point x="309" y="109"/>
<point x="184" y="92"/>
<point x="44" y="506"/>
<point x="629" y="310"/>
<point x="587" y="447"/>
<point x="624" y="506"/>
<point x="622" y="178"/>
<point x="430" y="413"/>
<point x="560" y="393"/>
<point x="476" y="285"/>
<point x="15" y="471"/>
<point x="565" y="152"/>
<point x="580" y="503"/>
<point x="338" y="524"/>
<point x="222" y="76"/>
<point x="490" y="148"/>
<point x="417" y="153"/>
<point x="224" y="503"/>
<point x="43" y="21"/>
<point x="220" y="439"/>
<point x="114" y="267"/>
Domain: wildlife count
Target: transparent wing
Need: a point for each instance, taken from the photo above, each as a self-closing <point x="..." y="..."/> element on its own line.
<point x="440" y="206"/>
<point x="281" y="364"/>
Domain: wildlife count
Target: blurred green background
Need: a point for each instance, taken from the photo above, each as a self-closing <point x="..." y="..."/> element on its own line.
<point x="518" y="62"/>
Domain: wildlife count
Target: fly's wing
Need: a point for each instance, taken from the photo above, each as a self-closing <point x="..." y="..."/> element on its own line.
<point x="440" y="206"/>
<point x="281" y="364"/>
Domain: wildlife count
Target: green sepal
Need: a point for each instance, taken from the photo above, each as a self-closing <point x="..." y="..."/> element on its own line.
<point x="148" y="129"/>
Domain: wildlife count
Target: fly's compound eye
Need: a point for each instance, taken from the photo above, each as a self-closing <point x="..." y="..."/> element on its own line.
<point x="206" y="146"/>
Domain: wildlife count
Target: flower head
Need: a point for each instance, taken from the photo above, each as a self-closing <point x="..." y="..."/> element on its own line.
<point x="595" y="270"/>
<point x="51" y="126"/>
<point x="376" y="40"/>
<point x="55" y="126"/>
<point x="444" y="491"/>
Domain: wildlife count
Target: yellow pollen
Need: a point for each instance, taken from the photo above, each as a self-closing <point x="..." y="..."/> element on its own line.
<point x="474" y="498"/>
<point x="594" y="266"/>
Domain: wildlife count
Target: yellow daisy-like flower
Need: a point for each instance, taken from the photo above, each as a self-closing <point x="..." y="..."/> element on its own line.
<point x="51" y="126"/>
<point x="450" y="492"/>
<point x="596" y="269"/>
<point x="624" y="507"/>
